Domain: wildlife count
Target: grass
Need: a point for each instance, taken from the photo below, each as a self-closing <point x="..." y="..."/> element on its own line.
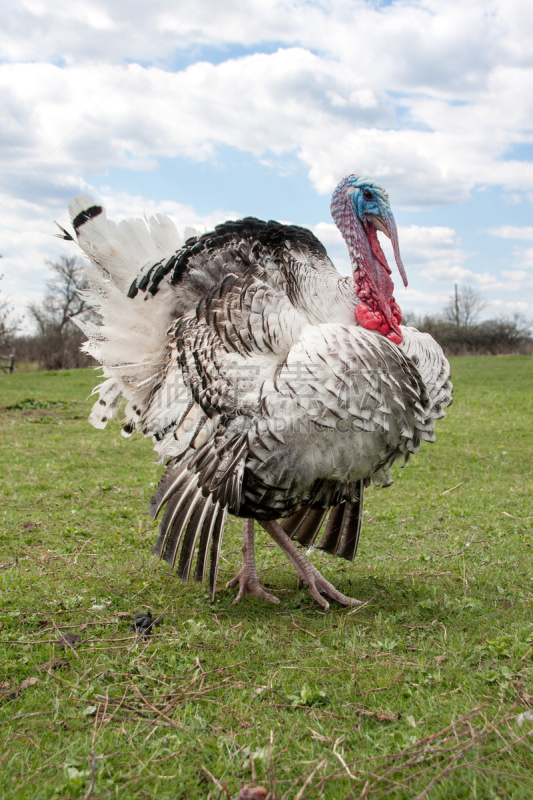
<point x="422" y="693"/>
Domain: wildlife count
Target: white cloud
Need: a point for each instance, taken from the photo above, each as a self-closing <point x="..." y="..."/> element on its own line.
<point x="431" y="100"/>
<point x="512" y="232"/>
<point x="518" y="278"/>
<point x="427" y="100"/>
<point x="525" y="258"/>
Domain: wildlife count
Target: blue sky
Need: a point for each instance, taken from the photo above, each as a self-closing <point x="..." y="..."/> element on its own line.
<point x="208" y="111"/>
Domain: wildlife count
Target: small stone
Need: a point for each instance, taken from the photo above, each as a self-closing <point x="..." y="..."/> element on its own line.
<point x="252" y="793"/>
<point x="28" y="683"/>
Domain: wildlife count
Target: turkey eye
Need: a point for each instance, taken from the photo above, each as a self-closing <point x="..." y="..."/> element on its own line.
<point x="368" y="194"/>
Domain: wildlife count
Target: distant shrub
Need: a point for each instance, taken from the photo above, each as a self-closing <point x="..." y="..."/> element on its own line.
<point x="501" y="336"/>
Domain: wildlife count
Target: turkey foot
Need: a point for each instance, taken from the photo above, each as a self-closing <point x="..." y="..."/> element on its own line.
<point x="307" y="573"/>
<point x="246" y="578"/>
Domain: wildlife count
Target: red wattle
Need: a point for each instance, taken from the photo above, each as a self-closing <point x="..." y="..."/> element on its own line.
<point x="368" y="318"/>
<point x="377" y="309"/>
<point x="373" y="320"/>
<point x="394" y="337"/>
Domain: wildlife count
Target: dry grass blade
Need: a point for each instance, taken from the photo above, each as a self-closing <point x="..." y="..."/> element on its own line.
<point x="308" y="780"/>
<point x="222" y="789"/>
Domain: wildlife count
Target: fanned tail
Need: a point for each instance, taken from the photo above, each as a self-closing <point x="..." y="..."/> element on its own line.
<point x="131" y="343"/>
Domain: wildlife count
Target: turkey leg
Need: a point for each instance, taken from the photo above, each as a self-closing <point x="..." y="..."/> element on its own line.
<point x="306" y="571"/>
<point x="246" y="578"/>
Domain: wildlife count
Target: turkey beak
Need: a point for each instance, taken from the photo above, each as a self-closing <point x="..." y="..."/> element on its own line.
<point x="387" y="225"/>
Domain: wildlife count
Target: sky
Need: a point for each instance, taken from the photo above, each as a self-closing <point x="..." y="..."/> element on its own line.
<point x="209" y="111"/>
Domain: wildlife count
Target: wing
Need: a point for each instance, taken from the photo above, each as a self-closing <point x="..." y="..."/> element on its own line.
<point x="220" y="357"/>
<point x="245" y="247"/>
<point x="428" y="357"/>
<point x="142" y="278"/>
<point x="344" y="405"/>
<point x="342" y="533"/>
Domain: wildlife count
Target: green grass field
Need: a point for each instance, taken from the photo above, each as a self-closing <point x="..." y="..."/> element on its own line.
<point x="422" y="693"/>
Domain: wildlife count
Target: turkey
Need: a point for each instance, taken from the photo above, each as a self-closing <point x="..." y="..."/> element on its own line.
<point x="274" y="388"/>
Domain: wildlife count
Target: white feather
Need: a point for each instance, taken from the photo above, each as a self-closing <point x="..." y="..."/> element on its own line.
<point x="131" y="344"/>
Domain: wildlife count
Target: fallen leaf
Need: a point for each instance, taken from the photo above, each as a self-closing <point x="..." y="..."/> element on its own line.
<point x="386" y="716"/>
<point x="28" y="683"/>
<point x="69" y="639"/>
<point x="252" y="793"/>
<point x="319" y="737"/>
<point x="521" y="694"/>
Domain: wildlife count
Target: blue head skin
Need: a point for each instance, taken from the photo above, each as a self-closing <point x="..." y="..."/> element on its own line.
<point x="369" y="204"/>
<point x="369" y="198"/>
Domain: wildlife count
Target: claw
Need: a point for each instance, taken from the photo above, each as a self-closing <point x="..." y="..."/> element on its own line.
<point x="307" y="573"/>
<point x="248" y="584"/>
<point x="246" y="578"/>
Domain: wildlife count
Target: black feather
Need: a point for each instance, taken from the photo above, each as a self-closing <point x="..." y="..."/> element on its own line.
<point x="205" y="541"/>
<point x="331" y="538"/>
<point x="85" y="216"/>
<point x="191" y="537"/>
<point x="310" y="527"/>
<point x="352" y="527"/>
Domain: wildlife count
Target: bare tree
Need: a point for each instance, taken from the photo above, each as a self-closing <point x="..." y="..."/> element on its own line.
<point x="464" y="307"/>
<point x="58" y="339"/>
<point x="9" y="324"/>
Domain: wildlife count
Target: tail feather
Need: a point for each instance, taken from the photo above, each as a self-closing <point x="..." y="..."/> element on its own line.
<point x="106" y="407"/>
<point x="292" y="524"/>
<point x="169" y="483"/>
<point x="352" y="529"/>
<point x="205" y="542"/>
<point x="305" y="525"/>
<point x="216" y="544"/>
<point x="194" y="520"/>
<point x="131" y="343"/>
<point x="170" y="528"/>
<point x="181" y="524"/>
<point x="191" y="538"/>
<point x="343" y="530"/>
<point x="332" y="535"/>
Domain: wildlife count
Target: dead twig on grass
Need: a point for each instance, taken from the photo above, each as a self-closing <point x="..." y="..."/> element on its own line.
<point x="419" y="768"/>
<point x="222" y="789"/>
<point x="303" y="629"/>
<point x="90" y="788"/>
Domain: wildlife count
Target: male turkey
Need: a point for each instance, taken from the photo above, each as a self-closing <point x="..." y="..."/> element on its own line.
<point x="274" y="388"/>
